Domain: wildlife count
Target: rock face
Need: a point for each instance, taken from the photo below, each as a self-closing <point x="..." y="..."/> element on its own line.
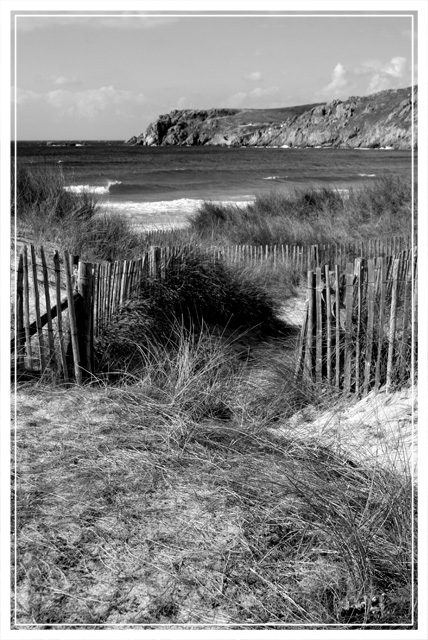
<point x="382" y="119"/>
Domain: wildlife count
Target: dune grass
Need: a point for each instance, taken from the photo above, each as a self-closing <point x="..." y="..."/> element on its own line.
<point x="183" y="484"/>
<point x="75" y="222"/>
<point x="184" y="495"/>
<point x="309" y="216"/>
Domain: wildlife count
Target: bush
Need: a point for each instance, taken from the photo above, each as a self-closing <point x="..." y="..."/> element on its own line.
<point x="197" y="294"/>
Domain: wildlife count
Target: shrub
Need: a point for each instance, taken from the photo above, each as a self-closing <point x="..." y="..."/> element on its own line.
<point x="196" y="294"/>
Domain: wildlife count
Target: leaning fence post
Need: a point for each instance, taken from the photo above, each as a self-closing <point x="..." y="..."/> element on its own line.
<point x="48" y="308"/>
<point x="37" y="306"/>
<point x="27" y="310"/>
<point x="20" y="331"/>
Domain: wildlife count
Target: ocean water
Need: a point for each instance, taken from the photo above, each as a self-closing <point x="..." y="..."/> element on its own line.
<point x="158" y="187"/>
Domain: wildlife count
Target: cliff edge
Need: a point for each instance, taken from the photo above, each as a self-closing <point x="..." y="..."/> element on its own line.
<point x="383" y="119"/>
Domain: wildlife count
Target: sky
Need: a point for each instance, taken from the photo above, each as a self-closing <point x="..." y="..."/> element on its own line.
<point x="106" y="77"/>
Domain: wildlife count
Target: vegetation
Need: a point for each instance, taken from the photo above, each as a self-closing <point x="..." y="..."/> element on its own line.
<point x="188" y="494"/>
<point x="306" y="216"/>
<point x="310" y="216"/>
<point x="186" y="483"/>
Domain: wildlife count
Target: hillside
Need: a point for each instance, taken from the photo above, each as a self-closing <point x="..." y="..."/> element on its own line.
<point x="382" y="119"/>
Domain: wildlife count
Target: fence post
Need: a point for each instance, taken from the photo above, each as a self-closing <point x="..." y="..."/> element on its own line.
<point x="48" y="309"/>
<point x="72" y="319"/>
<point x="310" y="324"/>
<point x="84" y="312"/>
<point x="37" y="307"/>
<point x="59" y="316"/>
<point x="392" y="324"/>
<point x="328" y="319"/>
<point x="337" y="340"/>
<point x="371" y="281"/>
<point x="319" y="325"/>
<point x="407" y="275"/>
<point x="359" y="274"/>
<point x="27" y="310"/>
<point x="348" y="325"/>
<point x="20" y="331"/>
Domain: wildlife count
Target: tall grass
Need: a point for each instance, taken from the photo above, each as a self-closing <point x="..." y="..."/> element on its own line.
<point x="197" y="294"/>
<point x="185" y="486"/>
<point x="310" y="215"/>
<point x="174" y="498"/>
<point x="71" y="221"/>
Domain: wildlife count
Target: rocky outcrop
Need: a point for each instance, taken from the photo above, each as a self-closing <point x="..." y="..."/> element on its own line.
<point x="382" y="119"/>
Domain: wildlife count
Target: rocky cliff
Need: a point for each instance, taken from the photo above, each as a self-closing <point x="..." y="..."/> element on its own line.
<point x="382" y="119"/>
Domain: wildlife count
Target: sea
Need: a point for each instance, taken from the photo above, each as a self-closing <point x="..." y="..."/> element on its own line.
<point x="162" y="187"/>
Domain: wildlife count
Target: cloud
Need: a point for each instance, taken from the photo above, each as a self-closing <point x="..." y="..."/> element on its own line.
<point x="379" y="76"/>
<point x="389" y="76"/>
<point x="258" y="97"/>
<point x="260" y="92"/>
<point x="339" y="82"/>
<point x="63" y="81"/>
<point x="119" y="20"/>
<point x="87" y="104"/>
<point x="254" y="76"/>
<point x="24" y="96"/>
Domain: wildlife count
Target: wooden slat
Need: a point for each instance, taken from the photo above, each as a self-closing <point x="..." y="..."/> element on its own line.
<point x="337" y="345"/>
<point x="51" y="340"/>
<point x="27" y="309"/>
<point x="84" y="322"/>
<point x="72" y="318"/>
<point x="59" y="316"/>
<point x="348" y="325"/>
<point x="310" y="324"/>
<point x="37" y="309"/>
<point x="392" y="325"/>
<point x="406" y="318"/>
<point x="382" y="267"/>
<point x="301" y="345"/>
<point x="359" y="275"/>
<point x="19" y="311"/>
<point x="328" y="320"/>
<point x="319" y="324"/>
<point x="371" y="283"/>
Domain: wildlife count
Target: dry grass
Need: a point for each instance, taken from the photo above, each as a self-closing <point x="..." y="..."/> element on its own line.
<point x="197" y="498"/>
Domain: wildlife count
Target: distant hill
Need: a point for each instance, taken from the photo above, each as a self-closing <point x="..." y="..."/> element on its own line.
<point x="382" y="119"/>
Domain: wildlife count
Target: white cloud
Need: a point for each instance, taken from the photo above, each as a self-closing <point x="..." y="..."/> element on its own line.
<point x="389" y="76"/>
<point x="379" y="76"/>
<point x="86" y="104"/>
<point x="258" y="97"/>
<point x="260" y="92"/>
<point x="254" y="76"/>
<point x="24" y="96"/>
<point x="63" y="81"/>
<point x="339" y="82"/>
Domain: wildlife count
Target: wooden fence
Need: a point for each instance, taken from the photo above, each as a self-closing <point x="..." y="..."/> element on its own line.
<point x="47" y="339"/>
<point x="357" y="332"/>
